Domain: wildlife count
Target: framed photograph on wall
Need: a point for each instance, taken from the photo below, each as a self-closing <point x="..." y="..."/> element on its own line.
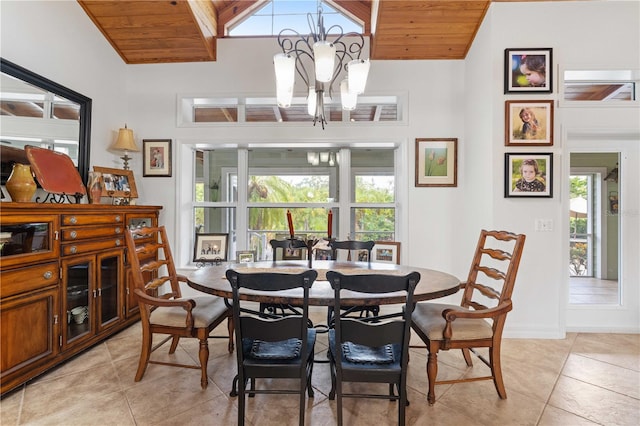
<point x="386" y="252"/>
<point x="117" y="183"/>
<point x="156" y="157"/>
<point x="528" y="123"/>
<point x="245" y="256"/>
<point x="528" y="175"/>
<point x="213" y="247"/>
<point x="436" y="162"/>
<point x="528" y="70"/>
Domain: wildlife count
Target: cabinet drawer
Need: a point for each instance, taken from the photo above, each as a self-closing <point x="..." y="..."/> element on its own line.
<point x="91" y="246"/>
<point x="79" y="233"/>
<point x="30" y="278"/>
<point x="92" y="219"/>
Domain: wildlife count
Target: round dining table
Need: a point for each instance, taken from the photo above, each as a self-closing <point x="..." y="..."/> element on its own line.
<point x="432" y="285"/>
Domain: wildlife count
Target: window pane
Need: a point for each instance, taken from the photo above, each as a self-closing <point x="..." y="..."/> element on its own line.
<point x="217" y="220"/>
<point x="277" y="176"/>
<point x="266" y="224"/>
<point x="374" y="176"/>
<point x="216" y="175"/>
<point x="373" y="224"/>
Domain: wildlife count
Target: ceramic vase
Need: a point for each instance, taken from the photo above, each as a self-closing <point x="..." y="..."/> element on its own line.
<point x="21" y="185"/>
<point x="94" y="187"/>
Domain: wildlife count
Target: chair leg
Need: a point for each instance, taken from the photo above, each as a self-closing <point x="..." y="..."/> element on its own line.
<point x="230" y="329"/>
<point x="332" y="370"/>
<point x="432" y="373"/>
<point x="241" y="402"/>
<point x="309" y="375"/>
<point x="204" y="358"/>
<point x="174" y="344"/>
<point x="496" y="370"/>
<point x="303" y="383"/>
<point x="145" y="353"/>
<point x="466" y="353"/>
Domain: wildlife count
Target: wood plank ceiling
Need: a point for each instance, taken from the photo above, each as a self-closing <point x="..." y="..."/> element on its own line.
<point x="162" y="31"/>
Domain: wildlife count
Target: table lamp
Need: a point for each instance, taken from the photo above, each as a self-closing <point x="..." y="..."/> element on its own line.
<point x="126" y="143"/>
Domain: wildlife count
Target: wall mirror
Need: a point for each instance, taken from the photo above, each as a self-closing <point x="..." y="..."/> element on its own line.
<point x="37" y="111"/>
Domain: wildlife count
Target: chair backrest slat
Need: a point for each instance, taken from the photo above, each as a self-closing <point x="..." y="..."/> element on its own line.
<point x="352" y="245"/>
<point x="294" y="244"/>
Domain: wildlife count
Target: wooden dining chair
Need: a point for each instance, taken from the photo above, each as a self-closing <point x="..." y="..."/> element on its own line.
<point x="272" y="346"/>
<point x="474" y="324"/>
<point x="371" y="350"/>
<point x="163" y="310"/>
<point x="352" y="246"/>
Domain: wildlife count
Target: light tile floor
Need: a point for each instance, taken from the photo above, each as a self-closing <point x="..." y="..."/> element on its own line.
<point x="584" y="379"/>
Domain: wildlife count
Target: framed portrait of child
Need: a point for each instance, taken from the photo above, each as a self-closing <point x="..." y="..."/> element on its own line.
<point x="528" y="123"/>
<point x="528" y="175"/>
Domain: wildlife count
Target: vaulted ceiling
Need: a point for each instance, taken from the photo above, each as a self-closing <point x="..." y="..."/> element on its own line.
<point x="162" y="31"/>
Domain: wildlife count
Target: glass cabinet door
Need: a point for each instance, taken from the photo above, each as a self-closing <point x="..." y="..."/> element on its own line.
<point x="108" y="292"/>
<point x="78" y="284"/>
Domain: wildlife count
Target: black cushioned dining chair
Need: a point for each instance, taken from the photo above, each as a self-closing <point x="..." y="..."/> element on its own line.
<point x="282" y="245"/>
<point x="271" y="346"/>
<point x="357" y="246"/>
<point x="372" y="349"/>
<point x="473" y="324"/>
<point x="163" y="310"/>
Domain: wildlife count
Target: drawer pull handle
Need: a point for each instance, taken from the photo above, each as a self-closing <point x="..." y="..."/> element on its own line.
<point x="118" y="230"/>
<point x="48" y="275"/>
<point x="118" y="218"/>
<point x="73" y="249"/>
<point x="73" y="219"/>
<point x="73" y="234"/>
<point x="118" y="243"/>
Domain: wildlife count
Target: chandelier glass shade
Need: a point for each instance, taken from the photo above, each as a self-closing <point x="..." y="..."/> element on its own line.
<point x="319" y="58"/>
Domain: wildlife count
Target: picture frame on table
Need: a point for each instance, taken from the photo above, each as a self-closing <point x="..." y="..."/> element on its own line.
<point x="528" y="70"/>
<point x="117" y="183"/>
<point x="436" y="162"/>
<point x="528" y="175"/>
<point x="528" y="123"/>
<point x="212" y="247"/>
<point x="245" y="256"/>
<point x="156" y="157"/>
<point x="386" y="252"/>
<point x="323" y="254"/>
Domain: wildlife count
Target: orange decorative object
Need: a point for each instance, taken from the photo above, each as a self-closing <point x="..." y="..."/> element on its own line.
<point x="55" y="171"/>
<point x="20" y="184"/>
<point x="330" y="223"/>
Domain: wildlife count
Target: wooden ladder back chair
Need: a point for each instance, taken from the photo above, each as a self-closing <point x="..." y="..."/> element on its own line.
<point x="163" y="310"/>
<point x="473" y="324"/>
<point x="272" y="346"/>
<point x="352" y="245"/>
<point x="372" y="349"/>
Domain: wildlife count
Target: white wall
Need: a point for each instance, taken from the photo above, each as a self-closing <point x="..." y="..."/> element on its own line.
<point x="461" y="99"/>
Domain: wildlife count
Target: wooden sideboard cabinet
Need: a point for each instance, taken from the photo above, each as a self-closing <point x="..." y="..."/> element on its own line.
<point x="64" y="282"/>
